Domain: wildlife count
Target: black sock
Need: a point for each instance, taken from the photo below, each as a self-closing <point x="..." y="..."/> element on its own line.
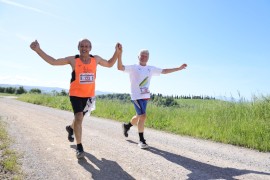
<point x="80" y="147"/>
<point x="129" y="125"/>
<point x="71" y="128"/>
<point x="141" y="137"/>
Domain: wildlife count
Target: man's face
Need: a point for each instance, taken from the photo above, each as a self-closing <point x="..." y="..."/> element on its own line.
<point x="143" y="58"/>
<point x="85" y="47"/>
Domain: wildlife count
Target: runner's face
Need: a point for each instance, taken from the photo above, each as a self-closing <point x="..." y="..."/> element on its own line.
<point x="85" y="47"/>
<point x="143" y="58"/>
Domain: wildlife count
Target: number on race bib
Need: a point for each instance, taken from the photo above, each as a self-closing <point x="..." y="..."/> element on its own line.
<point x="86" y="78"/>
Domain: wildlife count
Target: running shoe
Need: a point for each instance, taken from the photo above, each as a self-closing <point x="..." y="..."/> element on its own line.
<point x="80" y="153"/>
<point x="125" y="129"/>
<point x="70" y="133"/>
<point x="143" y="145"/>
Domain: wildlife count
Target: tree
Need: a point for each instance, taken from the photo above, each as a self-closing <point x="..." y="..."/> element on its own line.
<point x="35" y="91"/>
<point x="63" y="93"/>
<point x="21" y="90"/>
<point x="10" y="90"/>
<point x="2" y="89"/>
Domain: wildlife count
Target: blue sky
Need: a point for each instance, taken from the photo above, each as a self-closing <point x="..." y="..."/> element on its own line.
<point x="226" y="43"/>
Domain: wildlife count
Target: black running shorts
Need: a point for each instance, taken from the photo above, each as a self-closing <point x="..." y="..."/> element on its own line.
<point x="80" y="104"/>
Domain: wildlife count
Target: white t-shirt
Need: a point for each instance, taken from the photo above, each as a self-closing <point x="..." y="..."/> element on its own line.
<point x="140" y="77"/>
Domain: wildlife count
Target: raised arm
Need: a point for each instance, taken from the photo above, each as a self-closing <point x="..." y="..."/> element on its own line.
<point x="112" y="60"/>
<point x="120" y="65"/>
<point x="61" y="61"/>
<point x="166" y="71"/>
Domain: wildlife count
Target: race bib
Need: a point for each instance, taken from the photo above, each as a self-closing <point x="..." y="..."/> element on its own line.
<point x="87" y="78"/>
<point x="144" y="90"/>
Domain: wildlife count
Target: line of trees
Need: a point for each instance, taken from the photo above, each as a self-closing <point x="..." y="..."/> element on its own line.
<point x="12" y="90"/>
<point x="184" y="97"/>
<point x="157" y="99"/>
<point x="21" y="90"/>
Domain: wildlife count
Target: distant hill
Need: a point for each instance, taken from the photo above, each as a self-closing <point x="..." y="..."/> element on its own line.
<point x="44" y="89"/>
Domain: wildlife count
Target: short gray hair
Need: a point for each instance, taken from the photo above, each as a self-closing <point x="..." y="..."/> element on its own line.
<point x="143" y="51"/>
<point x="84" y="39"/>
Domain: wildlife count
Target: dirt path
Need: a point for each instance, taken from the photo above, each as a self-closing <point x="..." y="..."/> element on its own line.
<point x="40" y="135"/>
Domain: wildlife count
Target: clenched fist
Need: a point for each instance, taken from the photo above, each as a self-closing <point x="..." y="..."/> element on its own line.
<point x="35" y="45"/>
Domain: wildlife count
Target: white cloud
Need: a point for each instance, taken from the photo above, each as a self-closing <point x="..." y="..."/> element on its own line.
<point x="24" y="38"/>
<point x="25" y="7"/>
<point x="5" y="33"/>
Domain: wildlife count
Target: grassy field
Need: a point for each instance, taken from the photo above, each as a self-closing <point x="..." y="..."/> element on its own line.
<point x="9" y="166"/>
<point x="244" y="124"/>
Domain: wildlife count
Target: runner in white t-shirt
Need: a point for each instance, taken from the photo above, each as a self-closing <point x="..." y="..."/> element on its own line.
<point x="140" y="77"/>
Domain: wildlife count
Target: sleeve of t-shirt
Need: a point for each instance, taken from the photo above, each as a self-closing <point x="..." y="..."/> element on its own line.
<point x="156" y="71"/>
<point x="128" y="68"/>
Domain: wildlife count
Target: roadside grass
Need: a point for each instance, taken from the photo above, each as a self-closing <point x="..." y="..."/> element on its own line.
<point x="242" y="123"/>
<point x="6" y="94"/>
<point x="9" y="165"/>
<point x="59" y="102"/>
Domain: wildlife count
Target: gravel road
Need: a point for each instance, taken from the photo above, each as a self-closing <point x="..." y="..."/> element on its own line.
<point x="40" y="136"/>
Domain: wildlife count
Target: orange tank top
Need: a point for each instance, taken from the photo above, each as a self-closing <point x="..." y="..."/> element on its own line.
<point x="83" y="78"/>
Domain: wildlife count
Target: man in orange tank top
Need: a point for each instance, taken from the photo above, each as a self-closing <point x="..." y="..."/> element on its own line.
<point x="82" y="86"/>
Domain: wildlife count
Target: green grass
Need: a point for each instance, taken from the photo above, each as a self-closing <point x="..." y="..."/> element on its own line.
<point x="9" y="158"/>
<point x="6" y="94"/>
<point x="59" y="102"/>
<point x="244" y="124"/>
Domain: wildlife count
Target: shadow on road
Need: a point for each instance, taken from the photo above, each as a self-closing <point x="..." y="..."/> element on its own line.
<point x="201" y="170"/>
<point x="102" y="169"/>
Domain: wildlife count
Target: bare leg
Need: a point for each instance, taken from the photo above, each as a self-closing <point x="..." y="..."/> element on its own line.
<point x="77" y="127"/>
<point x="134" y="120"/>
<point x="141" y="121"/>
<point x="72" y="125"/>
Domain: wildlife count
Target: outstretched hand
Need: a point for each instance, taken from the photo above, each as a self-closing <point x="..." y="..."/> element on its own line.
<point x="34" y="45"/>
<point x="183" y="66"/>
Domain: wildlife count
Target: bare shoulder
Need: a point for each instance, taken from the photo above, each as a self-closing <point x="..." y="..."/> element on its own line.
<point x="98" y="58"/>
<point x="70" y="60"/>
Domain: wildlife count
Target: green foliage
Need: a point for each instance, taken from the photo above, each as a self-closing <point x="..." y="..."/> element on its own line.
<point x="20" y="90"/>
<point x="164" y="101"/>
<point x="122" y="97"/>
<point x="12" y="90"/>
<point x="35" y="91"/>
<point x="62" y="93"/>
<point x="158" y="100"/>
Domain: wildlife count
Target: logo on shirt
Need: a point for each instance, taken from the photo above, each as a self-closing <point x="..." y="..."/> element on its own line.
<point x="144" y="89"/>
<point x="85" y="69"/>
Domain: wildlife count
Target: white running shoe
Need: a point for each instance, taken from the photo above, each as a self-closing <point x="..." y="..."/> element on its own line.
<point x="143" y="145"/>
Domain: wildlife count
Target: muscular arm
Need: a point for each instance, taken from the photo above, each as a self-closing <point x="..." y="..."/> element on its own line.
<point x="112" y="60"/>
<point x="106" y="63"/>
<point x="53" y="61"/>
<point x="166" y="71"/>
<point x="120" y="65"/>
<point x="61" y="61"/>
